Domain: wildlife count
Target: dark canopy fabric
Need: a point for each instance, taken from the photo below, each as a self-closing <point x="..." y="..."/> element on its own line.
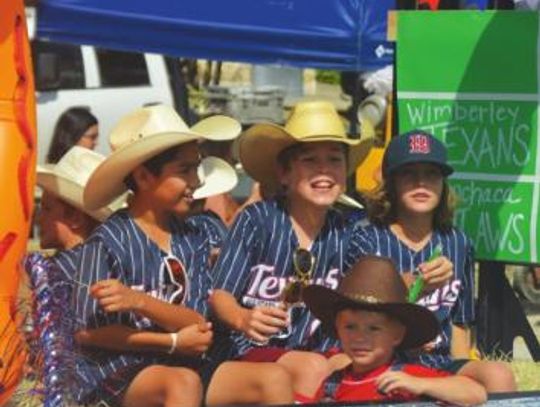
<point x="336" y="34"/>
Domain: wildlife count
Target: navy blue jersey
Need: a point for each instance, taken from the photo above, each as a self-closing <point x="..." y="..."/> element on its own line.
<point x="256" y="263"/>
<point x="119" y="249"/>
<point x="453" y="303"/>
<point x="216" y="229"/>
<point x="68" y="261"/>
<point x="355" y="216"/>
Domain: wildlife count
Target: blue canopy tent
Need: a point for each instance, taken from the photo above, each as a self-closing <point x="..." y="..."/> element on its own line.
<point x="338" y="34"/>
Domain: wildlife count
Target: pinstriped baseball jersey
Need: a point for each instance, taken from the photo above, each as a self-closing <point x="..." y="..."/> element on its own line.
<point x="453" y="303"/>
<point x="215" y="228"/>
<point x="67" y="261"/>
<point x="256" y="262"/>
<point x="119" y="249"/>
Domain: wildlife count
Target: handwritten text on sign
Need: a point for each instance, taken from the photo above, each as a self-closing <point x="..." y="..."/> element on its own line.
<point x="486" y="139"/>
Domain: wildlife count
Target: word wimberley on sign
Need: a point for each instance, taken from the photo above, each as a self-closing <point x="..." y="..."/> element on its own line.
<point x="472" y="79"/>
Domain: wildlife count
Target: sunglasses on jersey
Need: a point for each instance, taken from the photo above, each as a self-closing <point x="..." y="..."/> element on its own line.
<point x="303" y="263"/>
<point x="178" y="277"/>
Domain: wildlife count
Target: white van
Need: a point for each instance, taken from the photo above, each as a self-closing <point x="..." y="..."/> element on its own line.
<point x="108" y="83"/>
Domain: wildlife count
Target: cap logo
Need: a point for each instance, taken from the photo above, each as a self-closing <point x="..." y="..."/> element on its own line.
<point x="419" y="144"/>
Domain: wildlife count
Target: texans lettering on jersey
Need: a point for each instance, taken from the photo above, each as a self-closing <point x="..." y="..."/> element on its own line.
<point x="256" y="262"/>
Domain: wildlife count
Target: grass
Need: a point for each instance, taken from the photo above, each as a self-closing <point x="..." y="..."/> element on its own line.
<point x="527" y="375"/>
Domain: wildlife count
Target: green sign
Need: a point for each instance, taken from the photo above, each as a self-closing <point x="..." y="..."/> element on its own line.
<point x="472" y="79"/>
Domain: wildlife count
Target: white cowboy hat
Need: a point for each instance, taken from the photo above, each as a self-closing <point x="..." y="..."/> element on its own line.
<point x="142" y="135"/>
<point x="312" y="121"/>
<point x="216" y="176"/>
<point x="67" y="179"/>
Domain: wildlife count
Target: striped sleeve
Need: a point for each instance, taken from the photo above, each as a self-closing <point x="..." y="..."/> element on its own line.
<point x="233" y="265"/>
<point x="96" y="263"/>
<point x="463" y="312"/>
<point x="359" y="245"/>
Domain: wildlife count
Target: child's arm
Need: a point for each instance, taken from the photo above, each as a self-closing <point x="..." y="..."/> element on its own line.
<point x="460" y="345"/>
<point x="192" y="340"/>
<point x="113" y="296"/>
<point x="232" y="274"/>
<point x="458" y="390"/>
<point x="259" y="323"/>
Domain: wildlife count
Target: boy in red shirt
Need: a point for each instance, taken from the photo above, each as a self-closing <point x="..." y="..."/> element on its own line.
<point x="371" y="317"/>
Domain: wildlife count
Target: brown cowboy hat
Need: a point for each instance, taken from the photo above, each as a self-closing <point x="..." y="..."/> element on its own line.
<point x="373" y="284"/>
<point x="311" y="121"/>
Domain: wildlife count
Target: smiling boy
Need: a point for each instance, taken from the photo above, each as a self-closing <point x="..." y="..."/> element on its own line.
<point x="143" y="278"/>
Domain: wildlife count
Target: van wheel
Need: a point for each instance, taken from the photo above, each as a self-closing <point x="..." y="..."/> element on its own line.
<point x="527" y="284"/>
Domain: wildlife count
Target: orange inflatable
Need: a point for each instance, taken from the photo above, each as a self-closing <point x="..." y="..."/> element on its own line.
<point x="17" y="163"/>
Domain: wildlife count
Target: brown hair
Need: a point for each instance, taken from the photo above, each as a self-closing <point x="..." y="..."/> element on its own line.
<point x="68" y="130"/>
<point x="381" y="205"/>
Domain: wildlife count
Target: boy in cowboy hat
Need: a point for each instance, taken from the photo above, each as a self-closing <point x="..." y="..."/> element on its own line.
<point x="280" y="244"/>
<point x="370" y="314"/>
<point x="144" y="276"/>
<point x="64" y="222"/>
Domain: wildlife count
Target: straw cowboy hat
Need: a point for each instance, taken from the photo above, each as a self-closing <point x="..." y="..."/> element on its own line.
<point x="68" y="177"/>
<point x="143" y="134"/>
<point x="312" y="121"/>
<point x="216" y="176"/>
<point x="373" y="284"/>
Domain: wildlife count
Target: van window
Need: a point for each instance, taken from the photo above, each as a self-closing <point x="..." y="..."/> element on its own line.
<point x="119" y="68"/>
<point x="57" y="66"/>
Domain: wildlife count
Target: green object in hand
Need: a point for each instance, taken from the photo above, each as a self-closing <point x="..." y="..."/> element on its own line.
<point x="418" y="285"/>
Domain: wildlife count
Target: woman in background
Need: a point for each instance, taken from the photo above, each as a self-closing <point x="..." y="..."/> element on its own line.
<point x="75" y="127"/>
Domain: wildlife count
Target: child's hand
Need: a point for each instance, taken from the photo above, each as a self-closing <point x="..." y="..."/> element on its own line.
<point x="194" y="339"/>
<point x="260" y="323"/>
<point x="436" y="273"/>
<point x="113" y="296"/>
<point x="395" y="383"/>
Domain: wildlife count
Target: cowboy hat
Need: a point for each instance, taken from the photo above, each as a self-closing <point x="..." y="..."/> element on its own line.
<point x="143" y="134"/>
<point x="67" y="179"/>
<point x="373" y="284"/>
<point x="311" y="121"/>
<point x="216" y="176"/>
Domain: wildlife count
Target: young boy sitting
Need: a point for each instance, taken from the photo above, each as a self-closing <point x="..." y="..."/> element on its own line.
<point x="371" y="317"/>
<point x="143" y="277"/>
<point x="64" y="223"/>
